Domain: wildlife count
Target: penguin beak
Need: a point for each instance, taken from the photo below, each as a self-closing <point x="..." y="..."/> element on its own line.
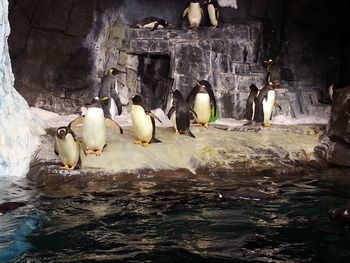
<point x="105" y="98"/>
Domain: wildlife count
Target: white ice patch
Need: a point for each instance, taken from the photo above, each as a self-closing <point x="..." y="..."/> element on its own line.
<point x="19" y="132"/>
<point x="231" y="3"/>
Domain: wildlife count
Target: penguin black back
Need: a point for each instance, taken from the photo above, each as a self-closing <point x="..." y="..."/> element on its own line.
<point x="250" y="102"/>
<point x="183" y="113"/>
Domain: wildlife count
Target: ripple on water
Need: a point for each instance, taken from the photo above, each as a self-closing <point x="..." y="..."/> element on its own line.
<point x="218" y="217"/>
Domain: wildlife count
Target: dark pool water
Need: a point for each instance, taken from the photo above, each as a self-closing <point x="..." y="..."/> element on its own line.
<point x="215" y="217"/>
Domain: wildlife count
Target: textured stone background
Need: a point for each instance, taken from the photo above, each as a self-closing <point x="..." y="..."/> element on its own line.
<point x="59" y="47"/>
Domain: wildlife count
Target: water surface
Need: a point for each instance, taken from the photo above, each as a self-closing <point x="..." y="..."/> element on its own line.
<point x="177" y="217"/>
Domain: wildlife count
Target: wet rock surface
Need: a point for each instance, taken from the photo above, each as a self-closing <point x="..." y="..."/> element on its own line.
<point x="274" y="150"/>
<point x="335" y="146"/>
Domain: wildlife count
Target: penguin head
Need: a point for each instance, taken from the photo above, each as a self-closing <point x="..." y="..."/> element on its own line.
<point x="113" y="71"/>
<point x="62" y="132"/>
<point x="203" y="86"/>
<point x="177" y="96"/>
<point x="253" y="88"/>
<point x="97" y="102"/>
<point x="137" y="100"/>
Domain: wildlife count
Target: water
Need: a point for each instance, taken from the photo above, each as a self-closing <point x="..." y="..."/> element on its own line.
<point x="215" y="217"/>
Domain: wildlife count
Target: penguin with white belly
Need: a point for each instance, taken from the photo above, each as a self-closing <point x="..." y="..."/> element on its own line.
<point x="213" y="11"/>
<point x="264" y="104"/>
<point x="143" y="122"/>
<point x="67" y="147"/>
<point x="180" y="114"/>
<point x="203" y="100"/>
<point x="95" y="128"/>
<point x="250" y="104"/>
<point x="152" y="23"/>
<point x="194" y="13"/>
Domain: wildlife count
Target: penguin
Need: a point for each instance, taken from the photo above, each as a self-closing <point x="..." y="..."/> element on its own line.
<point x="180" y="114"/>
<point x="107" y="93"/>
<point x="194" y="13"/>
<point x="95" y="128"/>
<point x="67" y="147"/>
<point x="143" y="122"/>
<point x="340" y="213"/>
<point x="203" y="100"/>
<point x="152" y="23"/>
<point x="264" y="104"/>
<point x="273" y="76"/>
<point x="250" y="104"/>
<point x="330" y="92"/>
<point x="7" y="207"/>
<point x="213" y="11"/>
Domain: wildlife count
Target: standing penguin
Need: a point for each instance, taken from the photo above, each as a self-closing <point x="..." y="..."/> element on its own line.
<point x="203" y="100"/>
<point x="250" y="104"/>
<point x="273" y="76"/>
<point x="213" y="11"/>
<point x="194" y="13"/>
<point x="180" y="114"/>
<point x="107" y="92"/>
<point x="95" y="128"/>
<point x="143" y="122"/>
<point x="264" y="104"/>
<point x="67" y="147"/>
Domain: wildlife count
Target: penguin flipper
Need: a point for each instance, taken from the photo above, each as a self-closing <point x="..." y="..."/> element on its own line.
<point x="212" y="98"/>
<point x="155" y="26"/>
<point x="154" y="116"/>
<point x="55" y="149"/>
<point x="279" y="106"/>
<point x="185" y="12"/>
<point x="189" y="133"/>
<point x="117" y="101"/>
<point x="76" y="122"/>
<point x="154" y="139"/>
<point x="192" y="95"/>
<point x="171" y="112"/>
<point x="193" y="113"/>
<point x="79" y="163"/>
<point x="113" y="124"/>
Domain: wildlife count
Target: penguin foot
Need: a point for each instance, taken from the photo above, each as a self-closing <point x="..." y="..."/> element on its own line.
<point x="68" y="167"/>
<point x="177" y="133"/>
<point x="206" y="125"/>
<point x="89" y="151"/>
<point x="98" y="152"/>
<point x="266" y="124"/>
<point x="145" y="144"/>
<point x="138" y="142"/>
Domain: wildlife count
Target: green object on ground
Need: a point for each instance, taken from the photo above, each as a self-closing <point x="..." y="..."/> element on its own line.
<point x="214" y="115"/>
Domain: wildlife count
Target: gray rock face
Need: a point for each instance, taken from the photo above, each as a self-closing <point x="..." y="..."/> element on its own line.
<point x="335" y="148"/>
<point x="230" y="63"/>
<point x="50" y="62"/>
<point x="58" y="48"/>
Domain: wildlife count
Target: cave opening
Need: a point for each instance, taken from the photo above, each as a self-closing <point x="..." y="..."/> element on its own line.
<point x="155" y="83"/>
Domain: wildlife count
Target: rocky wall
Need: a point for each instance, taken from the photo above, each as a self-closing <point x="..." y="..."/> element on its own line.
<point x="60" y="47"/>
<point x="335" y="146"/>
